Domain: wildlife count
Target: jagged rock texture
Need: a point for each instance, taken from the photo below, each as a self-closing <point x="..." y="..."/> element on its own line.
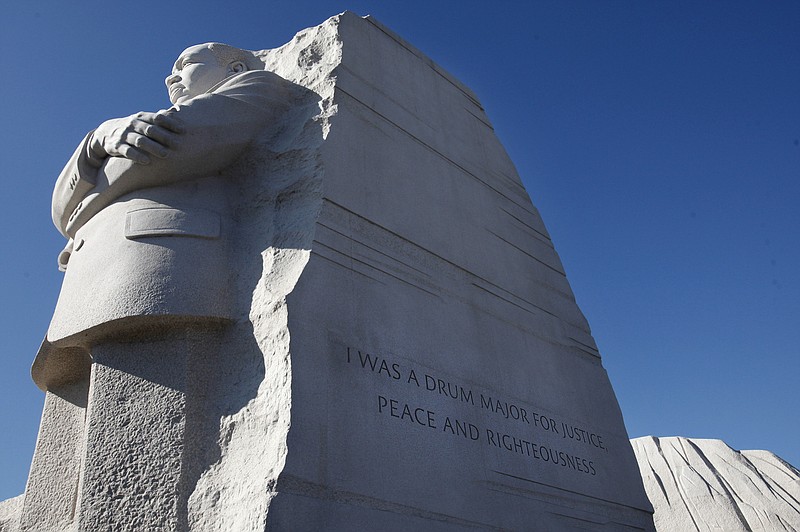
<point x="698" y="484"/>
<point x="9" y="513"/>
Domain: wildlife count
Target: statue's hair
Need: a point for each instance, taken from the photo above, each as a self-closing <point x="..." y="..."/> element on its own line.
<point x="227" y="54"/>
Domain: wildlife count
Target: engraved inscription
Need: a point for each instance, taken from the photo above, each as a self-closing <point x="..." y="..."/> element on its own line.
<point x="537" y="437"/>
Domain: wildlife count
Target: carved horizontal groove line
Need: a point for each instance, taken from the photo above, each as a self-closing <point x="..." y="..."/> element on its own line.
<point x="437" y="152"/>
<point x="405" y="240"/>
<point x="519" y="325"/>
<point x="594" y="354"/>
<point x="384" y="95"/>
<point x="349" y="237"/>
<point x="512" y="303"/>
<point x="347" y="267"/>
<point x="443" y="259"/>
<point x="537" y="259"/>
<point x="511" y="182"/>
<point x="470" y="278"/>
<point x="459" y="268"/>
<point x="436" y="68"/>
<point x="292" y="485"/>
<point x="481" y="120"/>
<point x="609" y="501"/>
<point x="374" y="268"/>
<point x="509" y="301"/>
<point x="544" y="238"/>
<point x="592" y="350"/>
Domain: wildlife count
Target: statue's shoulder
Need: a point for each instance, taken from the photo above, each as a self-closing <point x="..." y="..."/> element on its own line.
<point x="252" y="80"/>
<point x="257" y="87"/>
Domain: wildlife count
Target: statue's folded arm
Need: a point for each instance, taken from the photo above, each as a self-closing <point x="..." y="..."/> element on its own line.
<point x="219" y="126"/>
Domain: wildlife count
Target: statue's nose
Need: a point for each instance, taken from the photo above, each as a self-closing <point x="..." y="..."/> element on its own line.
<point x="172" y="78"/>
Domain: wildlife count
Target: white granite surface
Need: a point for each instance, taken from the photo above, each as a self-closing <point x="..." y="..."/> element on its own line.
<point x="704" y="485"/>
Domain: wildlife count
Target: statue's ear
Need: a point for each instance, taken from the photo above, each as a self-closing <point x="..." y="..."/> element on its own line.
<point x="236" y="67"/>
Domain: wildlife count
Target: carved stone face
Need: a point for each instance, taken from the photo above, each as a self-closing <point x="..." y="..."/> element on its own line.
<point x="195" y="72"/>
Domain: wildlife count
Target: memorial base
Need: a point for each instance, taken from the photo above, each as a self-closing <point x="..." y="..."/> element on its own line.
<point x="118" y="450"/>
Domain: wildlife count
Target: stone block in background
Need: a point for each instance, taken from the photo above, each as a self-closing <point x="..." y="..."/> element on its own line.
<point x="699" y="484"/>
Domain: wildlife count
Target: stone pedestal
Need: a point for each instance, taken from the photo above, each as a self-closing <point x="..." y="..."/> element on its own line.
<point x="52" y="488"/>
<point x="119" y="450"/>
<point x="136" y="437"/>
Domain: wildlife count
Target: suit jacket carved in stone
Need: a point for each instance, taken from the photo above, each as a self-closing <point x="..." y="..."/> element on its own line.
<point x="148" y="244"/>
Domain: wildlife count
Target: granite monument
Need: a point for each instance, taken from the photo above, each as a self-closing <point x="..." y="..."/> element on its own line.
<point x="314" y="294"/>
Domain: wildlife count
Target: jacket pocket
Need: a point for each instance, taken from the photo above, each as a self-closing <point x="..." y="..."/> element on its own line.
<point x="168" y="221"/>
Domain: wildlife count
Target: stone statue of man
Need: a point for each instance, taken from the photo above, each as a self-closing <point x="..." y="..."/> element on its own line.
<point x="147" y="203"/>
<point x="144" y="204"/>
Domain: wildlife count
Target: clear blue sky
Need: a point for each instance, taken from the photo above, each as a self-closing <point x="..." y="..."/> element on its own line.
<point x="659" y="140"/>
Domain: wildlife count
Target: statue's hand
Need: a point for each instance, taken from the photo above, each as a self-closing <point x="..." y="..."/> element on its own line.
<point x="137" y="137"/>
